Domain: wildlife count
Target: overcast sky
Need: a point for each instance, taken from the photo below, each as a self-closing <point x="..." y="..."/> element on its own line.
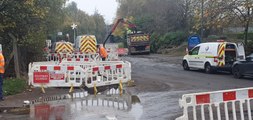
<point x="107" y="8"/>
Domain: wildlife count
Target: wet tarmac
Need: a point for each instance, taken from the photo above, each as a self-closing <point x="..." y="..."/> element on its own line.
<point x="109" y="105"/>
<point x="160" y="83"/>
<point x="105" y="106"/>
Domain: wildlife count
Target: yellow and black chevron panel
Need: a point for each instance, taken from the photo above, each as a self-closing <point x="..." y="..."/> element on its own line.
<point x="140" y="38"/>
<point x="88" y="44"/>
<point x="221" y="54"/>
<point x="64" y="47"/>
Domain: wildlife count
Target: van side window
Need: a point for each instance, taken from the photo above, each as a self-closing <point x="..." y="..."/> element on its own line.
<point x="195" y="51"/>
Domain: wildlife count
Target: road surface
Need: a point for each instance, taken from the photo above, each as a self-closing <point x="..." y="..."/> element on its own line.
<point x="160" y="82"/>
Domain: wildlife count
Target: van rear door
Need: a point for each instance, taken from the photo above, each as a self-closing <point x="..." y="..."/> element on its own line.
<point x="240" y="52"/>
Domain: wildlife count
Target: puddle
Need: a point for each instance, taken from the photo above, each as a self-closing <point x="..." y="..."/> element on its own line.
<point x="108" y="105"/>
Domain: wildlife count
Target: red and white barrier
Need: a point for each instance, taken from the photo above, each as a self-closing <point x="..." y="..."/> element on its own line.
<point x="73" y="56"/>
<point x="89" y="56"/>
<point x="108" y="75"/>
<point x="75" y="74"/>
<point x="56" y="76"/>
<point x="122" y="51"/>
<point x="58" y="56"/>
<point x="218" y="105"/>
<point x="112" y="52"/>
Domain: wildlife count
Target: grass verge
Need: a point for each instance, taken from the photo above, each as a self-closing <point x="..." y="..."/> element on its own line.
<point x="12" y="86"/>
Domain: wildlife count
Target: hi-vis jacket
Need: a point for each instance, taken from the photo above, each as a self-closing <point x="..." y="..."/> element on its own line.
<point x="2" y="63"/>
<point x="102" y="52"/>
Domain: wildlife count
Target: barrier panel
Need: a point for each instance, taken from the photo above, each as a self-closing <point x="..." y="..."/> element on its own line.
<point x="89" y="65"/>
<point x="112" y="54"/>
<point x="56" y="76"/>
<point x="91" y="56"/>
<point x="79" y="62"/>
<point x="52" y="57"/>
<point x="218" y="105"/>
<point x="68" y="74"/>
<point x="122" y="51"/>
<point x="106" y="75"/>
<point x="58" y="56"/>
<point x="73" y="56"/>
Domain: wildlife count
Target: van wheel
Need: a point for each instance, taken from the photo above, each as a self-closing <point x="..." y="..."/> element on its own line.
<point x="185" y="65"/>
<point x="208" y="68"/>
<point x="236" y="72"/>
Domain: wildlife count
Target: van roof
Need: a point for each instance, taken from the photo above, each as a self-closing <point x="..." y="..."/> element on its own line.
<point x="217" y="43"/>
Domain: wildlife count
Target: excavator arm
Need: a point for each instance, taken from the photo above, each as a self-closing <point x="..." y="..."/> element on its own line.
<point x="121" y="20"/>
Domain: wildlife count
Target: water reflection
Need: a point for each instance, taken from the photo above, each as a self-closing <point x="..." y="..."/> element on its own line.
<point x="108" y="105"/>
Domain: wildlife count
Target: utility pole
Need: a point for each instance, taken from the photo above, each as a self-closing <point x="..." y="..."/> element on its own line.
<point x="202" y="22"/>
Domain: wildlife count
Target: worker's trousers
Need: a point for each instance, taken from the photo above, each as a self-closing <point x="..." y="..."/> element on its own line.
<point x="1" y="85"/>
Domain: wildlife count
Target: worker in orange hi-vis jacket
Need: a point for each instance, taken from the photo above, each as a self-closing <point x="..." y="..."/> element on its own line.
<point x="102" y="52"/>
<point x="1" y="75"/>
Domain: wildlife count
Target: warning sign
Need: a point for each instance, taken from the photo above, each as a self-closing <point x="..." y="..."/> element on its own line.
<point x="41" y="77"/>
<point x="55" y="76"/>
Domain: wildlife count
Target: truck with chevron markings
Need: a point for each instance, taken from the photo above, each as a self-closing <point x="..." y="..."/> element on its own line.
<point x="138" y="43"/>
<point x="86" y="44"/>
<point x="63" y="47"/>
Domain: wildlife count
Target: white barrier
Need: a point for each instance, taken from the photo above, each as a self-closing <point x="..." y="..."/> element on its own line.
<point x="56" y="76"/>
<point x="217" y="105"/>
<point x="112" y="54"/>
<point x="91" y="56"/>
<point x="58" y="56"/>
<point x="75" y="74"/>
<point x="52" y="57"/>
<point x="108" y="75"/>
<point x="88" y="65"/>
<point x="73" y="56"/>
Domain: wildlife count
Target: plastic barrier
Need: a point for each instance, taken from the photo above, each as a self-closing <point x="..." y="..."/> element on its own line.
<point x="56" y="76"/>
<point x="58" y="56"/>
<point x="93" y="56"/>
<point x="218" y="105"/>
<point x="122" y="51"/>
<point x="73" y="56"/>
<point x="65" y="75"/>
<point x="88" y="65"/>
<point x="112" y="52"/>
<point x="79" y="62"/>
<point x="112" y="55"/>
<point x="42" y="63"/>
<point x="107" y="75"/>
<point x="52" y="57"/>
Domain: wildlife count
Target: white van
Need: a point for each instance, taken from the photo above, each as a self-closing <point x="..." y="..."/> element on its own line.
<point x="212" y="56"/>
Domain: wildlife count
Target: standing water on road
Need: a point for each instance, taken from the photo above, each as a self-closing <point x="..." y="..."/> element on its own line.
<point x="106" y="106"/>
